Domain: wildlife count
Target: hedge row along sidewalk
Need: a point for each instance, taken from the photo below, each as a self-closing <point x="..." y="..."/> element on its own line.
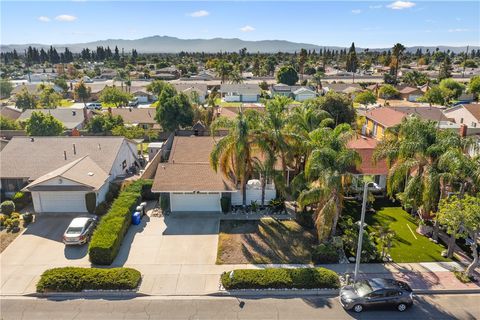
<point x="108" y="236"/>
<point x="281" y="278"/>
<point x="73" y="279"/>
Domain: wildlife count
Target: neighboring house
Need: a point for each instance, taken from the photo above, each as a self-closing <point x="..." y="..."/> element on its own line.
<point x="190" y="182"/>
<point x="232" y="112"/>
<point x="10" y="112"/>
<point x="70" y="118"/>
<point x="34" y="88"/>
<point x="378" y="171"/>
<point x="240" y="92"/>
<point x="204" y="75"/>
<point x="59" y="171"/>
<point x="298" y="93"/>
<point x="143" y="117"/>
<point x="95" y="90"/>
<point x="468" y="114"/>
<point x="189" y="89"/>
<point x="411" y="94"/>
<point x="143" y="96"/>
<point x="346" y="88"/>
<point x="380" y="119"/>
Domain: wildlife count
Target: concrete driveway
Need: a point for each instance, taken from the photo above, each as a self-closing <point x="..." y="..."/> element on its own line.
<point x="175" y="254"/>
<point x="40" y="247"/>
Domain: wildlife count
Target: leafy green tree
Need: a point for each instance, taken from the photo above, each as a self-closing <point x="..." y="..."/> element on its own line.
<point x="8" y="124"/>
<point x="352" y="60"/>
<point x="445" y="69"/>
<point x="60" y="82"/>
<point x="366" y="97"/>
<point x="114" y="96"/>
<point x="25" y="100"/>
<point x="224" y="70"/>
<point x="388" y="92"/>
<point x="434" y="95"/>
<point x="287" y="75"/>
<point x="472" y="227"/>
<point x="43" y="124"/>
<point x="474" y="86"/>
<point x="415" y="78"/>
<point x="82" y="92"/>
<point x="451" y="215"/>
<point x="6" y="88"/>
<point x="156" y="87"/>
<point x="325" y="170"/>
<point x="451" y="89"/>
<point x="104" y="123"/>
<point x="134" y="132"/>
<point x="48" y="98"/>
<point x="174" y="112"/>
<point x="338" y="105"/>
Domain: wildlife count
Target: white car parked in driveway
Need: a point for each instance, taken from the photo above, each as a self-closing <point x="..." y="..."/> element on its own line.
<point x="79" y="230"/>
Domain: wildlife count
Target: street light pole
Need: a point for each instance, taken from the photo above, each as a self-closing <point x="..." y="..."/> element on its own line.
<point x="360" y="231"/>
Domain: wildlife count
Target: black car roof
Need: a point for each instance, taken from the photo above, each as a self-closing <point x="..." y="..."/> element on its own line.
<point x="381" y="283"/>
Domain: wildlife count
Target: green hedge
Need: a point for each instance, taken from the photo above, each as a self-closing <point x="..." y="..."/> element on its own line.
<point x="108" y="236"/>
<point x="73" y="279"/>
<point x="281" y="278"/>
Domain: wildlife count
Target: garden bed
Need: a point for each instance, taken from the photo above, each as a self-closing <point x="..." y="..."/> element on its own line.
<point x="264" y="241"/>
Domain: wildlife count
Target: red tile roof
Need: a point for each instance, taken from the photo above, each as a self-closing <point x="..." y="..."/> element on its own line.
<point x="386" y="116"/>
<point x="365" y="147"/>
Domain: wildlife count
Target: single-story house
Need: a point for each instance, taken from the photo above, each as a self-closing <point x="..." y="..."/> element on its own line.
<point x="468" y="114"/>
<point x="411" y="94"/>
<point x="346" y="88"/>
<point x="143" y="117"/>
<point x="143" y="96"/>
<point x="33" y="88"/>
<point x="240" y="92"/>
<point x="298" y="93"/>
<point x="200" y="90"/>
<point x="190" y="182"/>
<point x="378" y="171"/>
<point x="10" y="112"/>
<point x="60" y="171"/>
<point x="70" y="118"/>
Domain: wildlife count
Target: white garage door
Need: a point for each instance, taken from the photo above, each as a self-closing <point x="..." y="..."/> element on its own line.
<point x="195" y="202"/>
<point x="56" y="201"/>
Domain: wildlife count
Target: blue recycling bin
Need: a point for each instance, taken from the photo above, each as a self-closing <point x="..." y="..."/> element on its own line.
<point x="136" y="218"/>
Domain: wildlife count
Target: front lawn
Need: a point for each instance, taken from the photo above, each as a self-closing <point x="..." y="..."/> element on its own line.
<point x="408" y="245"/>
<point x="66" y="103"/>
<point x="264" y="241"/>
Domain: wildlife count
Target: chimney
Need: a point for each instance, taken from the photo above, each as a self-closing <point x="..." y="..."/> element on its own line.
<point x="463" y="130"/>
<point x="65" y="154"/>
<point x="74" y="149"/>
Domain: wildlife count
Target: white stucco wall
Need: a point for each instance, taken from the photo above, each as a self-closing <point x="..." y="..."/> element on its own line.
<point x="253" y="195"/>
<point x="128" y="152"/>
<point x="458" y="113"/>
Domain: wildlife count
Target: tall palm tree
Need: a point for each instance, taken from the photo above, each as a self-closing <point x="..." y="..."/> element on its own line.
<point x="232" y="154"/>
<point x="327" y="174"/>
<point x="317" y="78"/>
<point x="397" y="51"/>
<point x="223" y="70"/>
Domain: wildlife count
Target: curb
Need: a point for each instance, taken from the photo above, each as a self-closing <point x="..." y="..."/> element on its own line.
<point x="445" y="291"/>
<point x="88" y="294"/>
<point x="278" y="292"/>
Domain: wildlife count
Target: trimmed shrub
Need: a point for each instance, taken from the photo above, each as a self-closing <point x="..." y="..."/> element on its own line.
<point x="21" y="199"/>
<point x="3" y="217"/>
<point x="225" y="203"/>
<point x="7" y="207"/>
<point x="325" y="253"/>
<point x="108" y="236"/>
<point x="73" y="279"/>
<point x="90" y="201"/>
<point x="281" y="278"/>
<point x="147" y="193"/>
<point x="102" y="208"/>
<point x="165" y="202"/>
<point x="27" y="218"/>
<point x="112" y="193"/>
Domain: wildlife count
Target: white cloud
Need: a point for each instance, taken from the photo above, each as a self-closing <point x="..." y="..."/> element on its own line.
<point x="377" y="6"/>
<point x="199" y="14"/>
<point x="400" y="5"/>
<point x="356" y="11"/>
<point x="65" y="18"/>
<point x="458" y="30"/>
<point x="44" y="19"/>
<point x="247" y="28"/>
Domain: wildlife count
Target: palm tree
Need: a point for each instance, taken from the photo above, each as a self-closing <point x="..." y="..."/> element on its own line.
<point x="385" y="237"/>
<point x="265" y="168"/>
<point x="223" y="70"/>
<point x="327" y="174"/>
<point x="397" y="52"/>
<point x="317" y="78"/>
<point x="232" y="154"/>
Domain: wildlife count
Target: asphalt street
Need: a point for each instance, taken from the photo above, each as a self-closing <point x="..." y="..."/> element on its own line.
<point x="211" y="308"/>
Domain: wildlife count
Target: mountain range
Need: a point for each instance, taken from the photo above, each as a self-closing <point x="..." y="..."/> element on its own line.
<point x="166" y="44"/>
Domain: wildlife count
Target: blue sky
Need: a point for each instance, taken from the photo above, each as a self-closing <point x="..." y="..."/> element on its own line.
<point x="368" y="24"/>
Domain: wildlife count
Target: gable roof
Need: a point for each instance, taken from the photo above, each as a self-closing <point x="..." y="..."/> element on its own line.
<point x="83" y="171"/>
<point x="344" y="87"/>
<point x="70" y="118"/>
<point x="33" y="157"/>
<point x="10" y="112"/>
<point x="188" y="168"/>
<point x="425" y="113"/>
<point x="303" y="89"/>
<point x="241" y="88"/>
<point x="409" y="90"/>
<point x="135" y="115"/>
<point x="365" y="147"/>
<point x="385" y="116"/>
<point x="474" y="109"/>
<point x="199" y="87"/>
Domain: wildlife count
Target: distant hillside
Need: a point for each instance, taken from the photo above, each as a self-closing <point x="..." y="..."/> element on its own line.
<point x="165" y="44"/>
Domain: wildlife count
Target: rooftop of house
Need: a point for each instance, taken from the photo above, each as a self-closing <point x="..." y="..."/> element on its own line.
<point x="10" y="112"/>
<point x="343" y="87"/>
<point x="33" y="157"/>
<point x="83" y="171"/>
<point x="70" y="118"/>
<point x="474" y="109"/>
<point x="365" y="147"/>
<point x="280" y="87"/>
<point x="240" y="88"/>
<point x="387" y="117"/>
<point x="408" y="90"/>
<point x="181" y="87"/>
<point x="426" y="113"/>
<point x="135" y="115"/>
<point x="188" y="168"/>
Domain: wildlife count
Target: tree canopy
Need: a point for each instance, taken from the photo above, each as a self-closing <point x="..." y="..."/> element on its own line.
<point x="287" y="75"/>
<point x="43" y="124"/>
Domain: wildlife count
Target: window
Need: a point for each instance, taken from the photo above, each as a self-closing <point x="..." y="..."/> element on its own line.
<point x="461" y="120"/>
<point x="124" y="164"/>
<point x="393" y="293"/>
<point x="377" y="294"/>
<point x="474" y="124"/>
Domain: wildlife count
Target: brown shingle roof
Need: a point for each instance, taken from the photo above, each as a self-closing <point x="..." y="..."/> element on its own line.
<point x="425" y="113"/>
<point x="385" y="116"/>
<point x="10" y="112"/>
<point x="136" y="115"/>
<point x="365" y="147"/>
<point x="474" y="109"/>
<point x="191" y="149"/>
<point x="24" y="158"/>
<point x="70" y="118"/>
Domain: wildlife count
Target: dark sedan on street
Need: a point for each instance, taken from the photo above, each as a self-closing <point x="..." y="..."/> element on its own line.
<point x="376" y="292"/>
